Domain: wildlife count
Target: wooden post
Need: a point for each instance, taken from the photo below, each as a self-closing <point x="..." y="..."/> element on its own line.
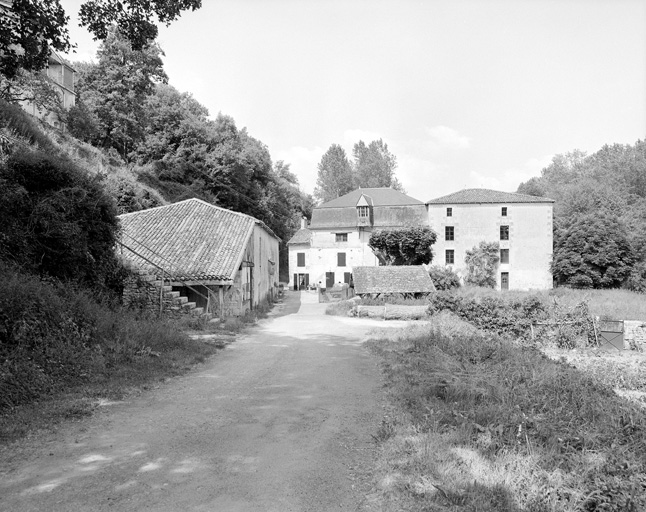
<point x="221" y="300"/>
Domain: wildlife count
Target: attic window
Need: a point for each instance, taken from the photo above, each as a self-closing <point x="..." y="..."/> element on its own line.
<point x="449" y="212"/>
<point x="504" y="211"/>
<point x="341" y="237"/>
<point x="363" y="211"/>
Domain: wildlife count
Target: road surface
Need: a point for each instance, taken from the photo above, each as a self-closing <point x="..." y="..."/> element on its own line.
<point x="280" y="420"/>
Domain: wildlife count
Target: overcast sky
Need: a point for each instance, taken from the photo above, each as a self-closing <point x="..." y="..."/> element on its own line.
<point x="466" y="93"/>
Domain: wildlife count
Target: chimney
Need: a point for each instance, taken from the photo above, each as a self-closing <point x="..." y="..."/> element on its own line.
<point x="303" y="222"/>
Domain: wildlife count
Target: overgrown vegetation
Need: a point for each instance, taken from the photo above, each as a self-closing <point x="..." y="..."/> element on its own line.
<point x="443" y="277"/>
<point x="482" y="264"/>
<point x="481" y="423"/>
<point x="599" y="228"/>
<point x="57" y="341"/>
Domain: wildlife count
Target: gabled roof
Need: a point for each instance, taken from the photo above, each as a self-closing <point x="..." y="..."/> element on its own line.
<point x="192" y="239"/>
<point x="380" y="197"/>
<point x="392" y="279"/>
<point x="302" y="236"/>
<point x="483" y="195"/>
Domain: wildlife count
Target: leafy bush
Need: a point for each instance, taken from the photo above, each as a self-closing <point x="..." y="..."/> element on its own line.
<point x="482" y="262"/>
<point x="636" y="281"/>
<point x="57" y="220"/>
<point x="443" y="277"/>
<point x="55" y="336"/>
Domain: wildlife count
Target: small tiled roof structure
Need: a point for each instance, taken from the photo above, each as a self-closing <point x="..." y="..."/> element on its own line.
<point x="302" y="236"/>
<point x="413" y="279"/>
<point x="483" y="195"/>
<point x="383" y="196"/>
<point x="192" y="239"/>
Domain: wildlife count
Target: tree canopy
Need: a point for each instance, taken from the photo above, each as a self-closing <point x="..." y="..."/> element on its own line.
<point x="611" y="184"/>
<point x="373" y="167"/>
<point x="407" y="246"/>
<point x="335" y="177"/>
<point x="30" y="29"/>
<point x="592" y="251"/>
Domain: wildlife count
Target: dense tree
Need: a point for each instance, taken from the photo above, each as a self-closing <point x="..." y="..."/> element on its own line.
<point x="57" y="220"/>
<point x="30" y="29"/>
<point x="132" y="17"/>
<point x="443" y="277"/>
<point x="115" y="91"/>
<point x="374" y="165"/>
<point x="592" y="251"/>
<point x="482" y="262"/>
<point x="335" y="176"/>
<point x="408" y="246"/>
<point x="34" y="87"/>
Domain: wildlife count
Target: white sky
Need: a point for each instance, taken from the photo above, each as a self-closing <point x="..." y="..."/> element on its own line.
<point x="466" y="93"/>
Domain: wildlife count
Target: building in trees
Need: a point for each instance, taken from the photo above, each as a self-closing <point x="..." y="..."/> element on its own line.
<point x="521" y="225"/>
<point x="337" y="238"/>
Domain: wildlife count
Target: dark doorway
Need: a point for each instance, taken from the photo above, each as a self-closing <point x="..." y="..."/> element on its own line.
<point x="504" y="280"/>
<point x="329" y="279"/>
<point x="347" y="277"/>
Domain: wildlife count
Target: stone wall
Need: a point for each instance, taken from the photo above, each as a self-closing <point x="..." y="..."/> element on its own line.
<point x="142" y="292"/>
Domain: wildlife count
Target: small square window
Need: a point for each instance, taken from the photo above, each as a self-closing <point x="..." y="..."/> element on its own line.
<point x="504" y="255"/>
<point x="504" y="211"/>
<point x="449" y="233"/>
<point x="504" y="232"/>
<point x="449" y="256"/>
<point x="300" y="256"/>
<point x="340" y="259"/>
<point x="341" y="237"/>
<point x="449" y="212"/>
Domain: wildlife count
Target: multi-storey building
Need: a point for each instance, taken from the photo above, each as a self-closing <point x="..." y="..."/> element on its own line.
<point x="521" y="224"/>
<point x="337" y="237"/>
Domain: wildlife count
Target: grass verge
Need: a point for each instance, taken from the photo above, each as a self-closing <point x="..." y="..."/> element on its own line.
<point x="481" y="423"/>
<point x="62" y="353"/>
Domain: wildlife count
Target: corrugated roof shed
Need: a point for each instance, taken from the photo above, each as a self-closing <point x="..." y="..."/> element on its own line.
<point x="302" y="236"/>
<point x="380" y="197"/>
<point x="192" y="239"/>
<point x="483" y="195"/>
<point x="392" y="279"/>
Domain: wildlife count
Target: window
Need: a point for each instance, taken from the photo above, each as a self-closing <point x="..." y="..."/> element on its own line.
<point x="340" y="259"/>
<point x="504" y="211"/>
<point x="504" y="232"/>
<point x="449" y="233"/>
<point x="449" y="256"/>
<point x="341" y="237"/>
<point x="364" y="212"/>
<point x="449" y="212"/>
<point x="504" y="255"/>
<point x="300" y="259"/>
<point x="504" y="280"/>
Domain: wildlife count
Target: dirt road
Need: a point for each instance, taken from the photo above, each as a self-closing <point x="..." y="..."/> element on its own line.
<point x="281" y="420"/>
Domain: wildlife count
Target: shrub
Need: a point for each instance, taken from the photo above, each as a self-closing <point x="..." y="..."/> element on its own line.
<point x="57" y="220"/>
<point x="56" y="336"/>
<point x="443" y="277"/>
<point x="482" y="262"/>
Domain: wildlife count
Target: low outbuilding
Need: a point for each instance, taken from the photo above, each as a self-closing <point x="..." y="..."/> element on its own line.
<point x="407" y="281"/>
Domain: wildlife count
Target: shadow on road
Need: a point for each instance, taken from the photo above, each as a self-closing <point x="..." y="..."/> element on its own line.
<point x="288" y="305"/>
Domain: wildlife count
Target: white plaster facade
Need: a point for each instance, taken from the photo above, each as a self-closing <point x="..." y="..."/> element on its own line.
<point x="529" y="244"/>
<point x="337" y="238"/>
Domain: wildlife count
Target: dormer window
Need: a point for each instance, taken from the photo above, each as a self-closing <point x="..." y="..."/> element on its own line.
<point x="363" y="211"/>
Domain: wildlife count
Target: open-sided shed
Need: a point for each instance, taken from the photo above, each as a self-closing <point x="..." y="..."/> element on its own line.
<point x="407" y="281"/>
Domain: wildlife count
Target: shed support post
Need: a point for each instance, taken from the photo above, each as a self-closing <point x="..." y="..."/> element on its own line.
<point x="221" y="301"/>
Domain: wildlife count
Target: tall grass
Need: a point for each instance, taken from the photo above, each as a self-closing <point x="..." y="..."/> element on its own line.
<point x="57" y="339"/>
<point x="481" y="423"/>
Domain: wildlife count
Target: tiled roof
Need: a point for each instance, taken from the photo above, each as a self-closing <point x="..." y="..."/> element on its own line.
<point x="483" y="195"/>
<point x="192" y="239"/>
<point x="392" y="279"/>
<point x="302" y="236"/>
<point x="384" y="217"/>
<point x="379" y="197"/>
